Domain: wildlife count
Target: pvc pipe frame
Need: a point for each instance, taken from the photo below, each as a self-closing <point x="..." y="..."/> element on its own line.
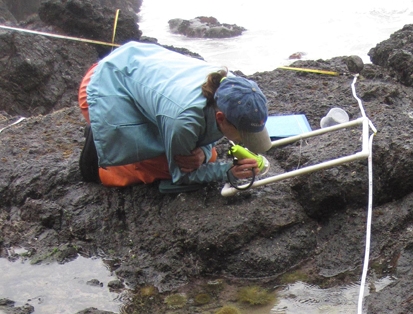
<point x="228" y="190"/>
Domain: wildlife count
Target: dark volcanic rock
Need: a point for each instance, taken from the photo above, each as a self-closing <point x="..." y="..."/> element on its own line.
<point x="92" y="310"/>
<point x="204" y="27"/>
<point x="22" y="9"/>
<point x="396" y="53"/>
<point x="39" y="74"/>
<point x="315" y="221"/>
<point x="354" y="64"/>
<point x="92" y="19"/>
<point x="7" y="307"/>
<point x="5" y="15"/>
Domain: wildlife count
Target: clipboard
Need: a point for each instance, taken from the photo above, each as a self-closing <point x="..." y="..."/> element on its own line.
<point x="287" y="125"/>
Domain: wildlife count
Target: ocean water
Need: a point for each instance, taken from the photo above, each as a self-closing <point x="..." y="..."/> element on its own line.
<point x="58" y="288"/>
<point x="321" y="29"/>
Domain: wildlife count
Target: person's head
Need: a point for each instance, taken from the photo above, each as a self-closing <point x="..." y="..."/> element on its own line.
<point x="242" y="112"/>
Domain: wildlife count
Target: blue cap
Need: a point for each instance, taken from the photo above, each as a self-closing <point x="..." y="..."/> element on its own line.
<point x="245" y="106"/>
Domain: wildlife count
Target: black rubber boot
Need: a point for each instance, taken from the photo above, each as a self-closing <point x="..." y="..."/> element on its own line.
<point x="88" y="162"/>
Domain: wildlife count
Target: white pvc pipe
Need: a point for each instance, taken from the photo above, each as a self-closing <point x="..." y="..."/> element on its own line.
<point x="336" y="127"/>
<point x="228" y="190"/>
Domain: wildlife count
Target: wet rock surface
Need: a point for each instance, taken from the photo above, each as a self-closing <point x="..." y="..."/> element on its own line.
<point x="396" y="54"/>
<point x="7" y="306"/>
<point x="204" y="27"/>
<point x="315" y="222"/>
<point x="93" y="310"/>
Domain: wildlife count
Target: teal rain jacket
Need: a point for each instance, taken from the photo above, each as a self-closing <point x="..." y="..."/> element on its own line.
<point x="145" y="101"/>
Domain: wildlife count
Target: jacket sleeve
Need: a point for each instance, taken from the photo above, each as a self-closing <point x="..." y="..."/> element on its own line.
<point x="207" y="149"/>
<point x="180" y="137"/>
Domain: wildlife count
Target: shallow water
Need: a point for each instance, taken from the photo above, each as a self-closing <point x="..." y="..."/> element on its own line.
<point x="58" y="288"/>
<point x="309" y="299"/>
<point x="62" y="288"/>
<point x="303" y="298"/>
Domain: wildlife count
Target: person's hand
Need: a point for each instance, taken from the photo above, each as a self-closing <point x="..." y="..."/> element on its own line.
<point x="244" y="168"/>
<point x="191" y="162"/>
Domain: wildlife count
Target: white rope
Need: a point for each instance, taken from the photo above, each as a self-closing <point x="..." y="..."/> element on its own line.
<point x="91" y="41"/>
<point x="18" y="121"/>
<point x="368" y="228"/>
<point x="363" y="113"/>
<point x="370" y="202"/>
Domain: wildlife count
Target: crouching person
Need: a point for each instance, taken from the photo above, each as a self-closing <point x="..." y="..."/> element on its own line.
<point x="155" y="114"/>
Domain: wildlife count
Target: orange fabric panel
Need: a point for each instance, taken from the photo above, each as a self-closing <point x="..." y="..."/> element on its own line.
<point x="146" y="171"/>
<point x="214" y="155"/>
<point x="82" y="96"/>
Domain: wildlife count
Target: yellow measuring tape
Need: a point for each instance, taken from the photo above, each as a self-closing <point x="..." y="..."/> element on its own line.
<point x="90" y="41"/>
<point x="114" y="26"/>
<point x="117" y="45"/>
<point x="310" y="70"/>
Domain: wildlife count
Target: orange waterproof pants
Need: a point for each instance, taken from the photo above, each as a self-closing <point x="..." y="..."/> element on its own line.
<point x="146" y="171"/>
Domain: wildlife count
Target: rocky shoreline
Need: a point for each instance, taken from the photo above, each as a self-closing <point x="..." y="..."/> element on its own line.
<point x="313" y="225"/>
